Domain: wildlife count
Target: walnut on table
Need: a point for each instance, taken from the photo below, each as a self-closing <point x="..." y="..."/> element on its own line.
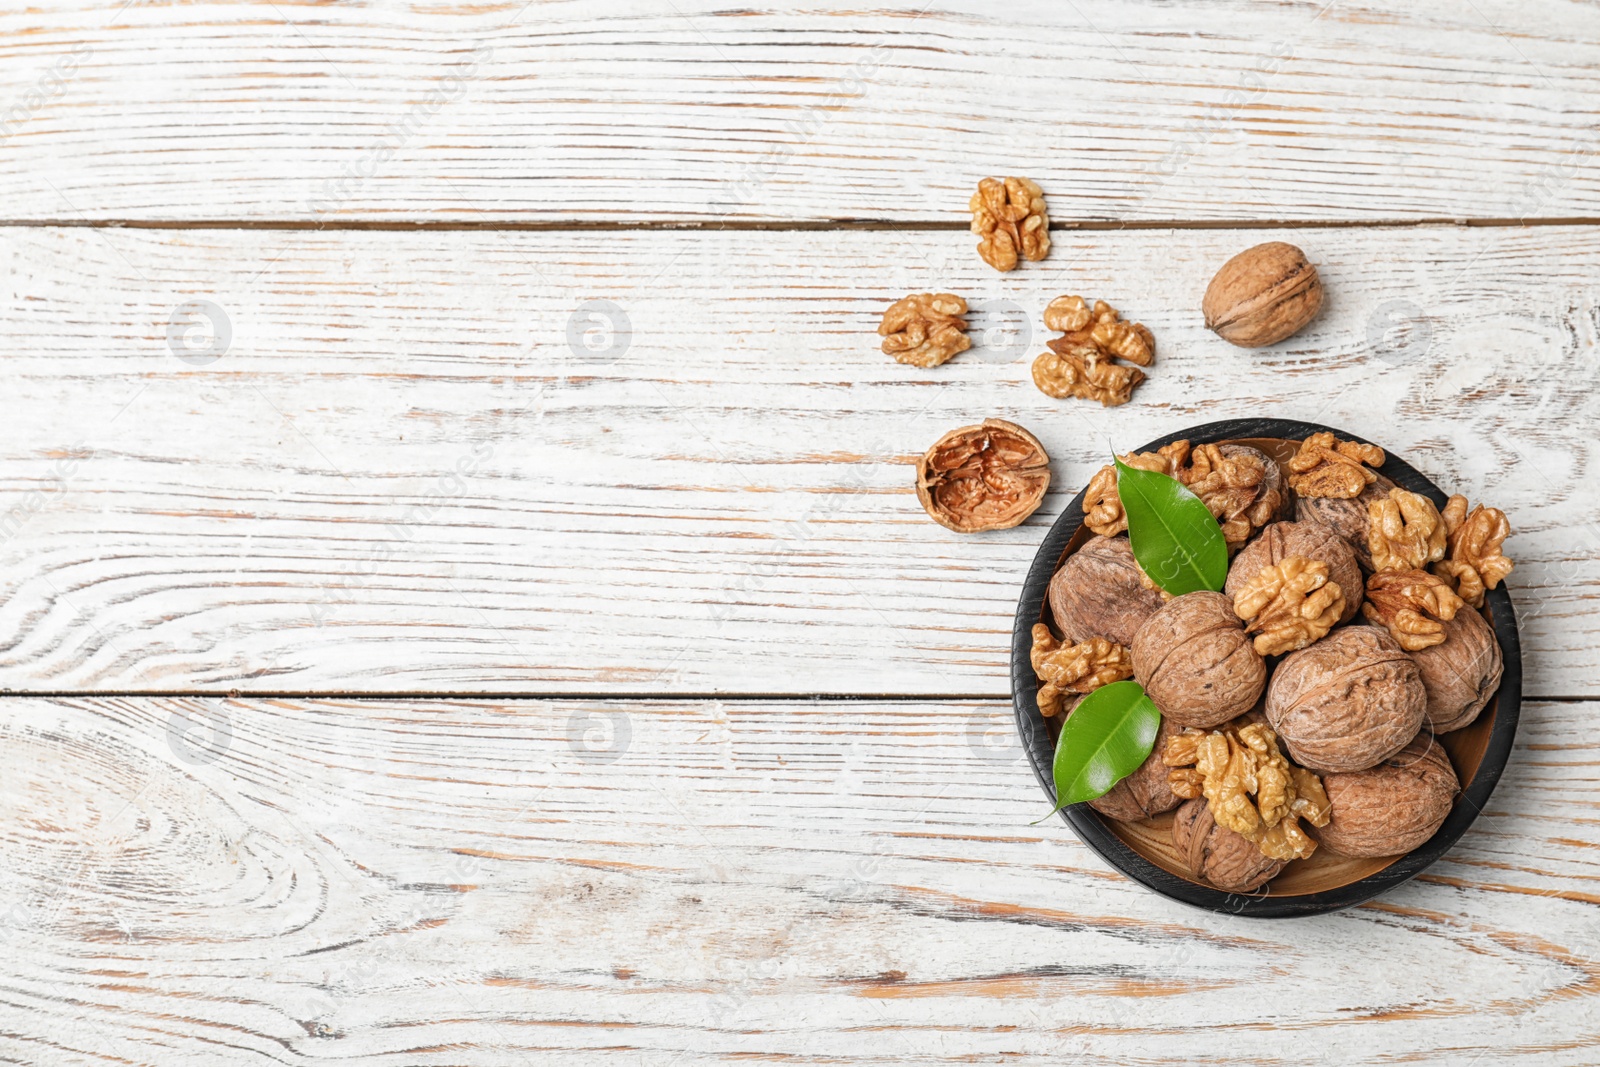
<point x="1102" y="506"/>
<point x="1414" y="606"/>
<point x="1404" y="532"/>
<point x="925" y="329"/>
<point x="1328" y="467"/>
<point x="1102" y="327"/>
<point x="1080" y="668"/>
<point x="1249" y="786"/>
<point x="1289" y="605"/>
<point x="1476" y="563"/>
<point x="1010" y="218"/>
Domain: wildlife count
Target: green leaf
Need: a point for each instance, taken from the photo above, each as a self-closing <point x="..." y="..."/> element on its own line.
<point x="1175" y="537"/>
<point x="1105" y="739"/>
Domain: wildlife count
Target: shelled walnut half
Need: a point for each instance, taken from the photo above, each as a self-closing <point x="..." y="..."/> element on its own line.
<point x="1474" y="541"/>
<point x="1010" y="219"/>
<point x="1082" y="362"/>
<point x="1404" y="532"/>
<point x="1249" y="785"/>
<point x="986" y="477"/>
<point x="925" y="329"/>
<point x="1412" y="605"/>
<point x="1079" y="668"/>
<point x="1102" y="506"/>
<point x="1328" y="467"/>
<point x="1242" y="487"/>
<point x="1289" y="604"/>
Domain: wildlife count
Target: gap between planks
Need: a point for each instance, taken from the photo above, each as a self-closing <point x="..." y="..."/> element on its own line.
<point x="793" y="226"/>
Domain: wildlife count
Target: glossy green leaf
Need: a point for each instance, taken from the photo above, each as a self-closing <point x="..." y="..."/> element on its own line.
<point x="1105" y="739"/>
<point x="1175" y="537"/>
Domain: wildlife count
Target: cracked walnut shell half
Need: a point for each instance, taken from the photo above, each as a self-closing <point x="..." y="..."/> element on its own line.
<point x="986" y="477"/>
<point x="1068" y="668"/>
<point x="1476" y="563"/>
<point x="925" y="329"/>
<point x="1009" y="217"/>
<point x="1412" y="605"/>
<point x="1326" y="466"/>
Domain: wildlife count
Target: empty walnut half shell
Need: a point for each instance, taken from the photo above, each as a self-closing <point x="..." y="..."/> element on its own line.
<point x="986" y="477"/>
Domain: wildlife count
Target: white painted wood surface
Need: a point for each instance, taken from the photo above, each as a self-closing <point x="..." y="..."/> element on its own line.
<point x="400" y="477"/>
<point x="416" y="483"/>
<point x="407" y="883"/>
<point x="628" y="110"/>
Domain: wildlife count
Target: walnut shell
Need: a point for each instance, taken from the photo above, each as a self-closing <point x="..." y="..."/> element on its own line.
<point x="1196" y="662"/>
<point x="1216" y="854"/>
<point x="1394" y="807"/>
<point x="1098" y="593"/>
<point x="1347" y="518"/>
<point x="1262" y="295"/>
<point x="986" y="477"/>
<point x="1309" y="540"/>
<point x="1146" y="791"/>
<point x="1349" y="701"/>
<point x="1461" y="674"/>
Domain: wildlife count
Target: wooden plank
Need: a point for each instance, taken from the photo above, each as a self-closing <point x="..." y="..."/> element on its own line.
<point x="428" y="883"/>
<point x="631" y="110"/>
<point x="401" y="476"/>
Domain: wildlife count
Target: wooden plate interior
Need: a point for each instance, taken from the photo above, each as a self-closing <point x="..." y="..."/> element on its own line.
<point x="1325" y="870"/>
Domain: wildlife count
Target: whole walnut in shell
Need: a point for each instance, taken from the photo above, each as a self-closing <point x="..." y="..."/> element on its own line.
<point x="1460" y="674"/>
<point x="1350" y="700"/>
<point x="1218" y="855"/>
<point x="1145" y="792"/>
<point x="1262" y="295"/>
<point x="1308" y="540"/>
<point x="1394" y="807"/>
<point x="1100" y="592"/>
<point x="1196" y="662"/>
<point x="1347" y="518"/>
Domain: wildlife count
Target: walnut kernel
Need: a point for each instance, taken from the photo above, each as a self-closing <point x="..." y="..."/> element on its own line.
<point x="1242" y="487"/>
<point x="925" y="329"/>
<point x="1009" y="217"/>
<point x="1413" y="605"/>
<point x="1068" y="668"/>
<point x="1476" y="563"/>
<point x="1085" y="372"/>
<point x="1404" y="532"/>
<point x="1102" y="506"/>
<point x="1101" y="327"/>
<point x="1289" y="604"/>
<point x="1250" y="787"/>
<point x="1309" y="540"/>
<point x="986" y="477"/>
<point x="1326" y="466"/>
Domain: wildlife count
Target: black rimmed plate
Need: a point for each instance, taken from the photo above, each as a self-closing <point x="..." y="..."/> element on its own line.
<point x="1325" y="882"/>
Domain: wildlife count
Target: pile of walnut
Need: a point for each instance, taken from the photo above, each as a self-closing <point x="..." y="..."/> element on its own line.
<point x="1301" y="704"/>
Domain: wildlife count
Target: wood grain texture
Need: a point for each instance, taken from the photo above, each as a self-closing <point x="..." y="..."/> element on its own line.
<point x="482" y="883"/>
<point x="402" y="477"/>
<point x="633" y="110"/>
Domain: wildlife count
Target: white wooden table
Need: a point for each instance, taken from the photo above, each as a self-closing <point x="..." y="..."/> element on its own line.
<point x="391" y="681"/>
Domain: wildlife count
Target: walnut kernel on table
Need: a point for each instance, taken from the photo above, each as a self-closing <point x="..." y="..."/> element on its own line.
<point x="1249" y="785"/>
<point x="925" y="329"/>
<point x="1474" y="541"/>
<point x="1102" y="506"/>
<point x="1082" y="362"/>
<point x="1404" y="532"/>
<point x="1289" y="604"/>
<point x="1413" y="605"/>
<point x="1328" y="467"/>
<point x="991" y="476"/>
<point x="1069" y="668"/>
<point x="1009" y="217"/>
